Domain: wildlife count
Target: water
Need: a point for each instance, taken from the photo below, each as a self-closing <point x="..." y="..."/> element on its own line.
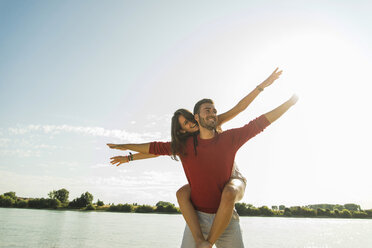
<point x="49" y="228"/>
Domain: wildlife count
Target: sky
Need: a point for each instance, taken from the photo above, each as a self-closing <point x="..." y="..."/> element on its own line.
<point x="75" y="75"/>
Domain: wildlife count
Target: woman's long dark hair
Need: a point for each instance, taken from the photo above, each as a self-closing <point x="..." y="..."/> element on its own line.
<point x="179" y="138"/>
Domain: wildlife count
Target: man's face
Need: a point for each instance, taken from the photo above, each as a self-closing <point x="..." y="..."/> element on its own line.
<point x="207" y="117"/>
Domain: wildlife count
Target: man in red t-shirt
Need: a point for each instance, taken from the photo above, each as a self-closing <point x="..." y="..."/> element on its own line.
<point x="208" y="166"/>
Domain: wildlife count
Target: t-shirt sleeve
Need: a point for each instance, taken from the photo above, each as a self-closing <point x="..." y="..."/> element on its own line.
<point x="245" y="133"/>
<point x="160" y="148"/>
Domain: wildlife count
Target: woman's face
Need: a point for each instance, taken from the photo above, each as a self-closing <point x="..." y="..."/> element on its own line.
<point x="187" y="126"/>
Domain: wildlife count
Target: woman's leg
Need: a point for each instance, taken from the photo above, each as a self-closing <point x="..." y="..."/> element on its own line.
<point x="190" y="216"/>
<point x="233" y="192"/>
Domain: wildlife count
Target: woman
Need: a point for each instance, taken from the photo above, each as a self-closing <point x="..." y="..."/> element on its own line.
<point x="183" y="126"/>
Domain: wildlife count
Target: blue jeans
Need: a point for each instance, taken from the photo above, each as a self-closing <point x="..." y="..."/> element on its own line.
<point x="230" y="238"/>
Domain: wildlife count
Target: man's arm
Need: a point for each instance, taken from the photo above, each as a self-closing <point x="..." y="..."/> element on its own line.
<point x="254" y="127"/>
<point x="247" y="100"/>
<point x="142" y="148"/>
<point x="274" y="114"/>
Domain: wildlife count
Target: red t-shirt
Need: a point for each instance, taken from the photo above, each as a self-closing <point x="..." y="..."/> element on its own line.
<point x="209" y="170"/>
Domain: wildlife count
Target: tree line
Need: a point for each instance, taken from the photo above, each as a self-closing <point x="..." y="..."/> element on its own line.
<point x="319" y="210"/>
<point x="59" y="199"/>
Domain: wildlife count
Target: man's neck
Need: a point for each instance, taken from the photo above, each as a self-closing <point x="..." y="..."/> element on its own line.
<point x="206" y="133"/>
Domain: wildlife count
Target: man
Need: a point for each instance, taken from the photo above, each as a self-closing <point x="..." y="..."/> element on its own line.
<point x="208" y="164"/>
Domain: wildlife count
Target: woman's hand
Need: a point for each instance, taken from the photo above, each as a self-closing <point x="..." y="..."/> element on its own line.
<point x="274" y="76"/>
<point x="115" y="146"/>
<point x="118" y="160"/>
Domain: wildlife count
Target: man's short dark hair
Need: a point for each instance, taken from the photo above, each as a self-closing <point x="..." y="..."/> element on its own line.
<point x="198" y="104"/>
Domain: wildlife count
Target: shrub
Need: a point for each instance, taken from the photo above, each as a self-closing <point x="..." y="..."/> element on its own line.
<point x="54" y="203"/>
<point x="165" y="207"/>
<point x="81" y="202"/>
<point x="252" y="211"/>
<point x="345" y="213"/>
<point x="368" y="212"/>
<point x="6" y="201"/>
<point x="121" y="208"/>
<point x="21" y="204"/>
<point x="352" y="207"/>
<point x="241" y="208"/>
<point x="264" y="210"/>
<point x="287" y="212"/>
<point x="11" y="194"/>
<point x="307" y="212"/>
<point x="90" y="207"/>
<point x="100" y="203"/>
<point x="144" y="209"/>
<point x="61" y="195"/>
<point x="359" y="214"/>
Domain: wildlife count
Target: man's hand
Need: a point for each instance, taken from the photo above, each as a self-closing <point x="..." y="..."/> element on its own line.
<point x="274" y="76"/>
<point x="293" y="99"/>
<point x="115" y="146"/>
<point x="118" y="160"/>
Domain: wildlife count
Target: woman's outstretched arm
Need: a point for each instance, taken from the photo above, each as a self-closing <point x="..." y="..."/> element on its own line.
<point x="118" y="160"/>
<point x="142" y="148"/>
<point x="274" y="114"/>
<point x="244" y="103"/>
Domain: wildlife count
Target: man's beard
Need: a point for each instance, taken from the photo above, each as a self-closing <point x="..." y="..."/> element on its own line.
<point x="209" y="126"/>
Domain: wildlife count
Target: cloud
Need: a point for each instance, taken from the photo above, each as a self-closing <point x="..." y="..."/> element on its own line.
<point x="24" y="153"/>
<point x="85" y="130"/>
<point x="4" y="142"/>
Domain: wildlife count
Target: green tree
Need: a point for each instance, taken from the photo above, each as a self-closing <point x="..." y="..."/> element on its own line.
<point x="368" y="212"/>
<point x="287" y="212"/>
<point x="308" y="212"/>
<point x="6" y="201"/>
<point x="241" y="208"/>
<point x="328" y="212"/>
<point x="21" y="204"/>
<point x="61" y="195"/>
<point x="54" y="203"/>
<point x="296" y="211"/>
<point x="352" y="207"/>
<point x="42" y="203"/>
<point x="345" y="213"/>
<point x="264" y="210"/>
<point x="338" y="207"/>
<point x="127" y="208"/>
<point x="100" y="203"/>
<point x="320" y="212"/>
<point x="83" y="201"/>
<point x="121" y="208"/>
<point x="337" y="212"/>
<point x="11" y="194"/>
<point x="144" y="209"/>
<point x="88" y="197"/>
<point x="359" y="214"/>
<point x="166" y="207"/>
<point x="281" y="207"/>
<point x="90" y="207"/>
<point x="253" y="211"/>
<point x="275" y="208"/>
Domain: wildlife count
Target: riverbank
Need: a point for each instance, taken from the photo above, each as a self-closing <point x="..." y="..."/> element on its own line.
<point x="58" y="200"/>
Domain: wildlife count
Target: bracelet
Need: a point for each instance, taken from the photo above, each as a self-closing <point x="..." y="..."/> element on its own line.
<point x="130" y="157"/>
<point x="259" y="88"/>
